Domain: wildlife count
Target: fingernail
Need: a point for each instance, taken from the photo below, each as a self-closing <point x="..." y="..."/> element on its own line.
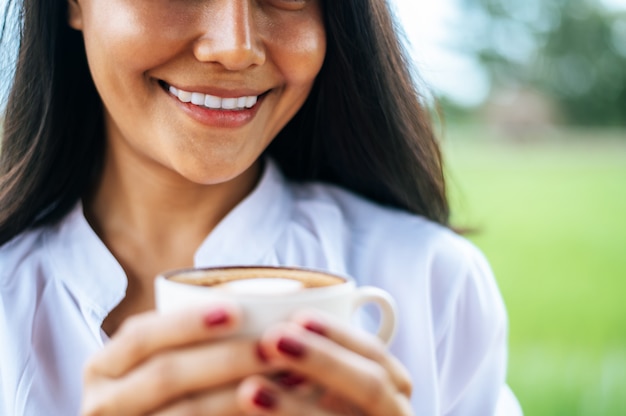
<point x="315" y="327"/>
<point x="216" y="317"/>
<point x="265" y="398"/>
<point x="290" y="380"/>
<point x="260" y="353"/>
<point x="291" y="347"/>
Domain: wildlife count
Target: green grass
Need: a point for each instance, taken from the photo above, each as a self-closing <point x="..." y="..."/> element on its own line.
<point x="550" y="214"/>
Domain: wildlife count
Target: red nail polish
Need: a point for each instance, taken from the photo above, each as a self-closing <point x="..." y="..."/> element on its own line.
<point x="260" y="353"/>
<point x="265" y="398"/>
<point x="290" y="380"/>
<point x="291" y="347"/>
<point x="315" y="327"/>
<point x="216" y="318"/>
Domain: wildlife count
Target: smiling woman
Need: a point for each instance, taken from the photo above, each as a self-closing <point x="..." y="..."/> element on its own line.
<point x="136" y="60"/>
<point x="141" y="136"/>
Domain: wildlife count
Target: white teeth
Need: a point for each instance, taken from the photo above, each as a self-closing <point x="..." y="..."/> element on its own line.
<point x="214" y="102"/>
<point x="184" y="96"/>
<point x="197" y="98"/>
<point x="251" y="101"/>
<point x="229" y="103"/>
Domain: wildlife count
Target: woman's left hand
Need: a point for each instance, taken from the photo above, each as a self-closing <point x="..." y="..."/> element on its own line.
<point x="347" y="372"/>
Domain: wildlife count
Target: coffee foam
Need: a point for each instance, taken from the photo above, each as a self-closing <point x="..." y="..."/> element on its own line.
<point x="263" y="286"/>
<point x="258" y="280"/>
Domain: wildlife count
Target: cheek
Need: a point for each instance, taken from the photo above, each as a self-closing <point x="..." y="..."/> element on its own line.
<point x="124" y="35"/>
<point x="300" y="59"/>
<point x="307" y="58"/>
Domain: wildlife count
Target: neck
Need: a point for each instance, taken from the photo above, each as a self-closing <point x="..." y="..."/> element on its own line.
<point x="148" y="214"/>
<point x="153" y="219"/>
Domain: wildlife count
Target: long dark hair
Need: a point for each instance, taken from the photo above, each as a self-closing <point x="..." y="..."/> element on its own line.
<point x="363" y="126"/>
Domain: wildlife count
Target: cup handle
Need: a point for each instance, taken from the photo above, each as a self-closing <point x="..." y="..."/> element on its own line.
<point x="386" y="305"/>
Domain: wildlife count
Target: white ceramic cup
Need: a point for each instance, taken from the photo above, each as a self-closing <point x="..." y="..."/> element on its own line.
<point x="268" y="295"/>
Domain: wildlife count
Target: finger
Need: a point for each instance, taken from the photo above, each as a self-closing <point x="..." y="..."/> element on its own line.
<point x="361" y="342"/>
<point x="289" y="380"/>
<point x="360" y="380"/>
<point x="257" y="396"/>
<point x="221" y="402"/>
<point x="175" y="374"/>
<point x="143" y="335"/>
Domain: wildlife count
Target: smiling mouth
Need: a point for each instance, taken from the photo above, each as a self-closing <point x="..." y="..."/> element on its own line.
<point x="211" y="101"/>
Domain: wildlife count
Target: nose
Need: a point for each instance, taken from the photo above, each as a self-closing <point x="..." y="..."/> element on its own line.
<point x="230" y="36"/>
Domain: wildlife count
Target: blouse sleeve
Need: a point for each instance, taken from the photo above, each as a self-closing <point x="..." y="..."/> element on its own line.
<point x="472" y="347"/>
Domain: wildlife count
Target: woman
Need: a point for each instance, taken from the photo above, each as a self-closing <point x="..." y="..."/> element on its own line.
<point x="145" y="135"/>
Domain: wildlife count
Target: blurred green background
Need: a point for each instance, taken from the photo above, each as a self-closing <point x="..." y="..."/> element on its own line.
<point x="537" y="173"/>
<point x="549" y="215"/>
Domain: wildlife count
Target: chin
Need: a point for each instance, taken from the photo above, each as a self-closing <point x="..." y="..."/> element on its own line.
<point x="211" y="173"/>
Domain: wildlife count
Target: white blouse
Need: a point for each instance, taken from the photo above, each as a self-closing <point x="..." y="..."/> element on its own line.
<point x="57" y="284"/>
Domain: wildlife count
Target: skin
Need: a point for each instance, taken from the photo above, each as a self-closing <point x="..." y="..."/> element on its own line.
<point x="159" y="155"/>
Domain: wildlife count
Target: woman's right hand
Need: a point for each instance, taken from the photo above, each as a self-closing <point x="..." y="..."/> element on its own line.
<point x="161" y="364"/>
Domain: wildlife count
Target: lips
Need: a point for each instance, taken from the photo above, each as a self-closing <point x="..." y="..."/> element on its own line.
<point x="221" y="108"/>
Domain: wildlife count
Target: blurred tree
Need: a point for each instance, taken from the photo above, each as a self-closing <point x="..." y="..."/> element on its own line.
<point x="573" y="50"/>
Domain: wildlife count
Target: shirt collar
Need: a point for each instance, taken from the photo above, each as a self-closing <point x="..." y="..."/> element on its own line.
<point x="82" y="261"/>
<point x="246" y="234"/>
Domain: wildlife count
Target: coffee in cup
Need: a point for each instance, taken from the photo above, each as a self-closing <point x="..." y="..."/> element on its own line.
<point x="269" y="295"/>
